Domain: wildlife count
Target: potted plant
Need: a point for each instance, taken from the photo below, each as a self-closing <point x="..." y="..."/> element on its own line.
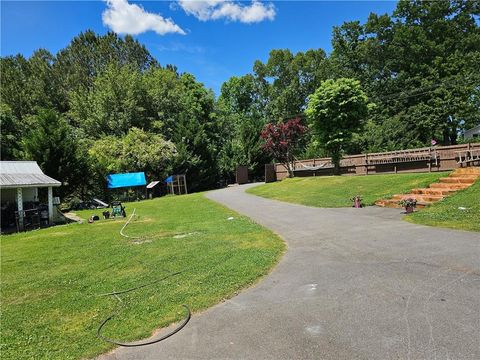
<point x="409" y="204"/>
<point x="357" y="201"/>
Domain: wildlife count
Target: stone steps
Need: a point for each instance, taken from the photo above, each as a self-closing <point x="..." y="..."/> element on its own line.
<point x="466" y="179"/>
<point x="394" y="204"/>
<point x="418" y="197"/>
<point x="454" y="186"/>
<point x="433" y="191"/>
<point x="475" y="170"/>
<point x="457" y="180"/>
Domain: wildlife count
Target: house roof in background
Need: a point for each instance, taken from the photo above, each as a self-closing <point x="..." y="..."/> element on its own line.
<point x="473" y="128"/>
<point x="14" y="174"/>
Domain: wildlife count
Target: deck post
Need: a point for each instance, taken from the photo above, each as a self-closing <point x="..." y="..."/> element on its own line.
<point x="366" y="164"/>
<point x="468" y="155"/>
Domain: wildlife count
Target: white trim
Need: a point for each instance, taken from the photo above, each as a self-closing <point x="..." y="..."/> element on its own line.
<point x="29" y="186"/>
<point x="50" y="205"/>
<point x="20" y="208"/>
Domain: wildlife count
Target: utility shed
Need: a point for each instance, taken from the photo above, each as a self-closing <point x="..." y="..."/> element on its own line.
<point x="19" y="185"/>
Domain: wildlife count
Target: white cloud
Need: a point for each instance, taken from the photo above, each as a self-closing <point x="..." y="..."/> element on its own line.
<point x="125" y="18"/>
<point x="230" y="10"/>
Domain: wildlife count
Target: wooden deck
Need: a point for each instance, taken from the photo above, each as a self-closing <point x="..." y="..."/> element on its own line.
<point x="428" y="159"/>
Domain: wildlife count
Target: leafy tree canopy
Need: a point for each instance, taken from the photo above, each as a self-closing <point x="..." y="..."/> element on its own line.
<point x="335" y="111"/>
<point x="419" y="65"/>
<point x="138" y="150"/>
<point x="53" y="144"/>
<point x="282" y="139"/>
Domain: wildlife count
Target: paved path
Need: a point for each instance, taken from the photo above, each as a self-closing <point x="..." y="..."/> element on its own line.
<point x="353" y="284"/>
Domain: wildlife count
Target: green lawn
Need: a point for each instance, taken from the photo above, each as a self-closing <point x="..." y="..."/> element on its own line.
<point x="336" y="191"/>
<point x="51" y="278"/>
<point x="446" y="213"/>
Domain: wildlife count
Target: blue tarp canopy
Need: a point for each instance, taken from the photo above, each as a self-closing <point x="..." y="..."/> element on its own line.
<point x="169" y="179"/>
<point x="115" y="181"/>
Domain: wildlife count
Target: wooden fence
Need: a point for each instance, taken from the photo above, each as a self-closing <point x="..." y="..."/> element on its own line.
<point x="430" y="159"/>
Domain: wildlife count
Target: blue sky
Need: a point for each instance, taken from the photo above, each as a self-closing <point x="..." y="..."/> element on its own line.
<point x="213" y="41"/>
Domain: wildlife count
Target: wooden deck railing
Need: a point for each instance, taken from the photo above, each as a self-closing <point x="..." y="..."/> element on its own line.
<point x="400" y="156"/>
<point x="438" y="158"/>
<point x="468" y="156"/>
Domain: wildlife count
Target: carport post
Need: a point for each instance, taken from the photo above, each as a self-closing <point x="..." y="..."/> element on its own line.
<point x="50" y="205"/>
<point x="20" y="208"/>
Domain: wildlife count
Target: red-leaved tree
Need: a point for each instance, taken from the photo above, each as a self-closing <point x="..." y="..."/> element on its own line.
<point x="281" y="141"/>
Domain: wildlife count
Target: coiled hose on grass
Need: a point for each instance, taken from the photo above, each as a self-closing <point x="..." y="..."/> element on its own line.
<point x="116" y="293"/>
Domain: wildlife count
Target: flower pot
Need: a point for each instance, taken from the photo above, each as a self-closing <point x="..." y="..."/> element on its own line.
<point x="409" y="209"/>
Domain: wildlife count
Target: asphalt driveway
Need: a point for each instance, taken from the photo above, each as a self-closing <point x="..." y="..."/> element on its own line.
<point x="353" y="284"/>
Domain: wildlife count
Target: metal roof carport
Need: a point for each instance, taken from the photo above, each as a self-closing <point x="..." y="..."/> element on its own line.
<point x="21" y="175"/>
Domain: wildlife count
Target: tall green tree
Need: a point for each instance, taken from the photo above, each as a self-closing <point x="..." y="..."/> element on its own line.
<point x="241" y="118"/>
<point x="41" y="85"/>
<point x="196" y="136"/>
<point x="116" y="102"/>
<point x="419" y="65"/>
<point x="182" y="109"/>
<point x="15" y="74"/>
<point x="138" y="150"/>
<point x="52" y="143"/>
<point x="89" y="55"/>
<point x="286" y="79"/>
<point x="165" y="91"/>
<point x="336" y="110"/>
<point x="10" y="132"/>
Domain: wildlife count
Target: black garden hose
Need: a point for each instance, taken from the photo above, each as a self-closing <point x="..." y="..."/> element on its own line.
<point x="149" y="342"/>
<point x="116" y="293"/>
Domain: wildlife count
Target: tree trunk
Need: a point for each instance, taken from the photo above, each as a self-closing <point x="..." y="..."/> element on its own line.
<point x="336" y="157"/>
<point x="289" y="169"/>
<point x="453" y="138"/>
<point x="336" y="168"/>
<point x="446" y="137"/>
<point x="290" y="165"/>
